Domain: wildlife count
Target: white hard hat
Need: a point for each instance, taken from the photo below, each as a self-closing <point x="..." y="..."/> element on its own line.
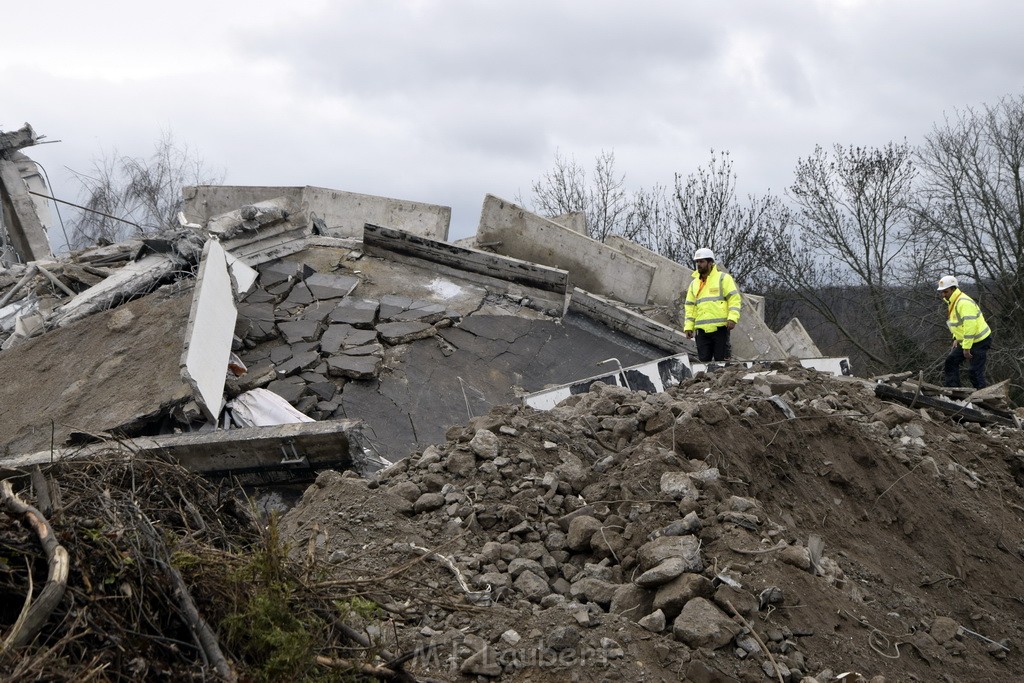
<point x="947" y="281"/>
<point x="703" y="253"/>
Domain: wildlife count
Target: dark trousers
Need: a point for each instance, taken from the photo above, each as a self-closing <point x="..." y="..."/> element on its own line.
<point x="714" y="345"/>
<point x="976" y="371"/>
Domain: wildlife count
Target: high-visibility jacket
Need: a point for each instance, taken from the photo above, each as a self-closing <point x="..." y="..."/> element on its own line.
<point x="965" y="320"/>
<point x="713" y="302"/>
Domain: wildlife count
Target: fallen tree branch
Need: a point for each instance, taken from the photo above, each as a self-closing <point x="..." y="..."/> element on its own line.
<point x="57" y="572"/>
<point x="201" y="631"/>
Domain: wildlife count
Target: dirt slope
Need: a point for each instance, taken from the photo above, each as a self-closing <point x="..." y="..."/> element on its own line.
<point x="857" y="537"/>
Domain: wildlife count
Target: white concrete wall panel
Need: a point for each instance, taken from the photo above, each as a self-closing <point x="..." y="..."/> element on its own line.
<point x="211" y="327"/>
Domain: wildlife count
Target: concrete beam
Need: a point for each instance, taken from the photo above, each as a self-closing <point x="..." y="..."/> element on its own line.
<point x="288" y="448"/>
<point x="514" y="231"/>
<point x="634" y="324"/>
<point x="379" y="240"/>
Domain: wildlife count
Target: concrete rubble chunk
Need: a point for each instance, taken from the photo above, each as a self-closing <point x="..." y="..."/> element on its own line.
<point x="653" y="553"/>
<point x="298" y="363"/>
<point x="680" y="486"/>
<point x="365" y="350"/>
<point x="299" y="331"/>
<point x="673" y="595"/>
<point x="663" y="572"/>
<point x="324" y="286"/>
<point x="701" y="624"/>
<point x="353" y="367"/>
<point x="405" y="332"/>
<point x="290" y="389"/>
<point x="361" y="313"/>
<point x="340" y="337"/>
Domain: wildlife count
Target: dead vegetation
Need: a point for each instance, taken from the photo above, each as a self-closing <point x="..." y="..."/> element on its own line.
<point x="171" y="578"/>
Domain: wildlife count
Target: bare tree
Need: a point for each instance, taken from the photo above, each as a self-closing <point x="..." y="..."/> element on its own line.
<point x="132" y="196"/>
<point x="850" y="253"/>
<point x="705" y="211"/>
<point x="603" y="199"/>
<point x="972" y="208"/>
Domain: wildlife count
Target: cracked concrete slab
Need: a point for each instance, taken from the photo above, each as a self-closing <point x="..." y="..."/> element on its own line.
<point x="488" y="357"/>
<point x="115" y="369"/>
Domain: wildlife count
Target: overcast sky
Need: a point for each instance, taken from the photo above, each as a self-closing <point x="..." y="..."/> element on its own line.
<point x="442" y="101"/>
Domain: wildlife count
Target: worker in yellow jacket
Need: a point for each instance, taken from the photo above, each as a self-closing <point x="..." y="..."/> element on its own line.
<point x="712" y="308"/>
<point x="971" y="335"/>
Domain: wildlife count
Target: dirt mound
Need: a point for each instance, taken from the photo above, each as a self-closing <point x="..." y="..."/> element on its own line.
<point x="786" y="526"/>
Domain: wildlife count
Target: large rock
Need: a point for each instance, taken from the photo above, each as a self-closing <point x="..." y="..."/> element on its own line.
<point x="655" y="552"/>
<point x="594" y="590"/>
<point x="581" y="530"/>
<point x="531" y="586"/>
<point x="671" y="597"/>
<point x="664" y="572"/>
<point x="680" y="486"/>
<point x="701" y="624"/>
<point x="632" y="601"/>
<point x="485" y="444"/>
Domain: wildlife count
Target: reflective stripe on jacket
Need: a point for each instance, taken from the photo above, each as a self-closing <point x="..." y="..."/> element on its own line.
<point x="713" y="305"/>
<point x="965" y="320"/>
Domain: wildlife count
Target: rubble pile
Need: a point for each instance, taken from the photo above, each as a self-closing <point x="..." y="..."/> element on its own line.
<point x="743" y="526"/>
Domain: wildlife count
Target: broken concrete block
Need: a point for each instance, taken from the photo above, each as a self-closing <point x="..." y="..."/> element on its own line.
<point x="290" y="389"/>
<point x="298" y="296"/>
<point x="366" y="350"/>
<point x="339" y="337"/>
<point x="298" y="363"/>
<point x="401" y="308"/>
<point x="277" y="272"/>
<point x="354" y="367"/>
<point x="296" y="331"/>
<point x="327" y="286"/>
<point x="280" y="354"/>
<point x="405" y="332"/>
<point x="360" y="313"/>
<point x="323" y="390"/>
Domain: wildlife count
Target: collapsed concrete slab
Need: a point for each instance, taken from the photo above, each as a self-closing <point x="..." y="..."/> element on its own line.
<point x="117" y="370"/>
<point x="341" y="214"/>
<point x="513" y="231"/>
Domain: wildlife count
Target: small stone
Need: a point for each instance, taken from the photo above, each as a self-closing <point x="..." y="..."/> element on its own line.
<point x="654" y="622"/>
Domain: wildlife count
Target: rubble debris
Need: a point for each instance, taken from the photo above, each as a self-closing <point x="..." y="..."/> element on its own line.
<point x="795" y="523"/>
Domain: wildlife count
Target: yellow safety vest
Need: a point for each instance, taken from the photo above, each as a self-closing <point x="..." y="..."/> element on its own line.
<point x="965" y="320"/>
<point x="713" y="302"/>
